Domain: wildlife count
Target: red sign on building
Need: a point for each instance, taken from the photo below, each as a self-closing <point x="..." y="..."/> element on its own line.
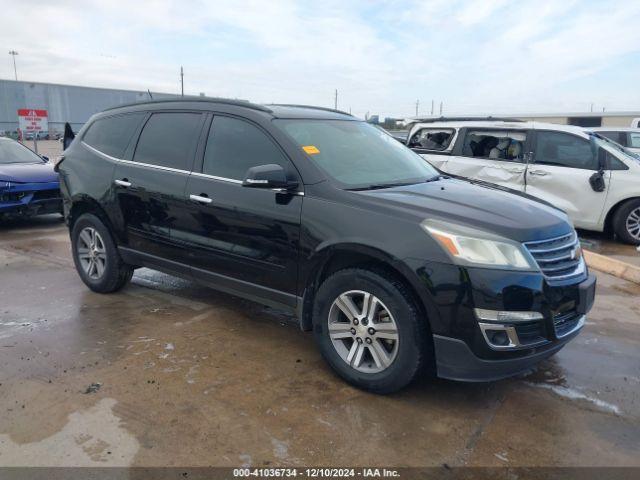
<point x="32" y="120"/>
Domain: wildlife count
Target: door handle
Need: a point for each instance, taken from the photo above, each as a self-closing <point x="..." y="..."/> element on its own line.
<point x="540" y="173"/>
<point x="123" y="183"/>
<point x="202" y="198"/>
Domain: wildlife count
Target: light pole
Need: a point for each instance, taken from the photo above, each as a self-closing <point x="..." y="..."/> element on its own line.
<point x="13" y="53"/>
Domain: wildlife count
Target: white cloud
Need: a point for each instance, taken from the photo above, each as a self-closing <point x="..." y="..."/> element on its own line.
<point x="490" y="56"/>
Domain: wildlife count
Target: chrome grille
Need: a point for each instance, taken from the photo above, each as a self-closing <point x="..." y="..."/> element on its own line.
<point x="557" y="257"/>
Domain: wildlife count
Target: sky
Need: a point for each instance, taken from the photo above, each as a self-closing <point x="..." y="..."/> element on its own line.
<point x="482" y="56"/>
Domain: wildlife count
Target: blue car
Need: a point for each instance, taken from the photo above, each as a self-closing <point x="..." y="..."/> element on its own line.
<point x="28" y="184"/>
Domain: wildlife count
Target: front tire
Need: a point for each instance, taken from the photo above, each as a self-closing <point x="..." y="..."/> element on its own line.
<point x="626" y="222"/>
<point x="96" y="257"/>
<point x="370" y="331"/>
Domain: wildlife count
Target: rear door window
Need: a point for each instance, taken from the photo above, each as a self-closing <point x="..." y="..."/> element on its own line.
<point x="111" y="135"/>
<point x="435" y="139"/>
<point x="169" y="140"/>
<point x="234" y="146"/>
<point x="564" y="150"/>
<point x="505" y="145"/>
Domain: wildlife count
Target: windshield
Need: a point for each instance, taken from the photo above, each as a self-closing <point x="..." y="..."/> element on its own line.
<point x="13" y="152"/>
<point x="357" y="155"/>
<point x="612" y="146"/>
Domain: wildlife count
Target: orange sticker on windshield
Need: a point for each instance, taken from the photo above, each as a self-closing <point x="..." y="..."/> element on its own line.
<point x="311" y="150"/>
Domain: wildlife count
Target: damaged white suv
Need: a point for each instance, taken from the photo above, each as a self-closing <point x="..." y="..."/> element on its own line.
<point x="594" y="180"/>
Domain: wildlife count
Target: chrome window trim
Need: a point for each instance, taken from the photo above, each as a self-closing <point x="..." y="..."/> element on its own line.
<point x="98" y="152"/>
<point x="214" y="177"/>
<point x="177" y="170"/>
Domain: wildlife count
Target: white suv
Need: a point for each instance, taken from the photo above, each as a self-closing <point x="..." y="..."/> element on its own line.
<point x="594" y="180"/>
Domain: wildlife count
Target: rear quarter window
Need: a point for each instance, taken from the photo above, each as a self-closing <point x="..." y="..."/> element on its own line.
<point x="112" y="135"/>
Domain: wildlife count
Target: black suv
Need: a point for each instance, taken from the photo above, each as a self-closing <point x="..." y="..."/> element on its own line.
<point x="396" y="268"/>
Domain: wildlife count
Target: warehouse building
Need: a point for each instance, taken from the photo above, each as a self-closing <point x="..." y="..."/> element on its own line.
<point x="63" y="103"/>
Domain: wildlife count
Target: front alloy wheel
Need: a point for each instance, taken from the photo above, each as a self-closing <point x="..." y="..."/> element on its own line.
<point x="363" y="331"/>
<point x="633" y="224"/>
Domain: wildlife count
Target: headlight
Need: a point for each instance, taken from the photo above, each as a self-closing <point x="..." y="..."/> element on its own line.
<point x="469" y="246"/>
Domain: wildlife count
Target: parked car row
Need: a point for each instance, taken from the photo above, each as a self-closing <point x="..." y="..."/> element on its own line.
<point x="397" y="269"/>
<point x="593" y="179"/>
<point x="28" y="184"/>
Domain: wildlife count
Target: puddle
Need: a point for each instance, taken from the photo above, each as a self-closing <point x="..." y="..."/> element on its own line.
<point x="573" y="394"/>
<point x="91" y="437"/>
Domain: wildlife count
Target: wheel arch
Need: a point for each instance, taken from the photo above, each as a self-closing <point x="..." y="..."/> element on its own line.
<point x="608" y="221"/>
<point x="340" y="256"/>
<point x="85" y="204"/>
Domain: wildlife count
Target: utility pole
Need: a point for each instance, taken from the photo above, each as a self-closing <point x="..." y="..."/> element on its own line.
<point x="417" y="106"/>
<point x="431" y="107"/>
<point x="182" y="81"/>
<point x="335" y="100"/>
<point x="440" y="108"/>
<point x="13" y="53"/>
<point x="592" y="107"/>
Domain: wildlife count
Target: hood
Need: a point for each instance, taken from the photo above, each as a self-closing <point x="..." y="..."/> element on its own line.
<point x="27" y="173"/>
<point x="506" y="213"/>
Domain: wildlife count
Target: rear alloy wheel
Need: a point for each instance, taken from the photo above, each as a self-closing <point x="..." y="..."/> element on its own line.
<point x="96" y="256"/>
<point x="626" y="222"/>
<point x="363" y="331"/>
<point x="369" y="328"/>
<point x="91" y="253"/>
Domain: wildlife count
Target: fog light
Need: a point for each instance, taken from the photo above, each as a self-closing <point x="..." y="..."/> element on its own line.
<point x="507" y="316"/>
<point x="499" y="337"/>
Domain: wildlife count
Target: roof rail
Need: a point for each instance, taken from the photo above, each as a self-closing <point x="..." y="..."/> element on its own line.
<point x="193" y="98"/>
<point x="324" y="109"/>
<point x="462" y="119"/>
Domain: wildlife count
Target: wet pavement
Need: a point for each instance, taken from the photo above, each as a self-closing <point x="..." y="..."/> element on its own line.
<point x="169" y="373"/>
<point x="605" y="245"/>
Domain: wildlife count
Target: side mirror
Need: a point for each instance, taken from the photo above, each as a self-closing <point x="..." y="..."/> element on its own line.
<point x="597" y="181"/>
<point x="268" y="176"/>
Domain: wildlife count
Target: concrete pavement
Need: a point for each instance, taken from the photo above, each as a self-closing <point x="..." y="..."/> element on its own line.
<point x="169" y="373"/>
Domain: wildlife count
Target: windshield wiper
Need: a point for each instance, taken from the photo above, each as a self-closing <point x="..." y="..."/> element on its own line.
<point x="378" y="186"/>
<point x="436" y="178"/>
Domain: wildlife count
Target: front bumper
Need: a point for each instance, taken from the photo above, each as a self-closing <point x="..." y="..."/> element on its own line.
<point x="462" y="349"/>
<point x="456" y="361"/>
<point x="28" y="199"/>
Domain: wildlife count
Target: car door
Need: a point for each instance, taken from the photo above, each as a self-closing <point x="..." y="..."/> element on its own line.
<point x="433" y="144"/>
<point x="491" y="155"/>
<point x="149" y="189"/>
<point x="239" y="238"/>
<point x="559" y="173"/>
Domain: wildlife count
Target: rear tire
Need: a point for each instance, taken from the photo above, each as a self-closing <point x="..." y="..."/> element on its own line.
<point x="393" y="339"/>
<point x="96" y="257"/>
<point x="626" y="222"/>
